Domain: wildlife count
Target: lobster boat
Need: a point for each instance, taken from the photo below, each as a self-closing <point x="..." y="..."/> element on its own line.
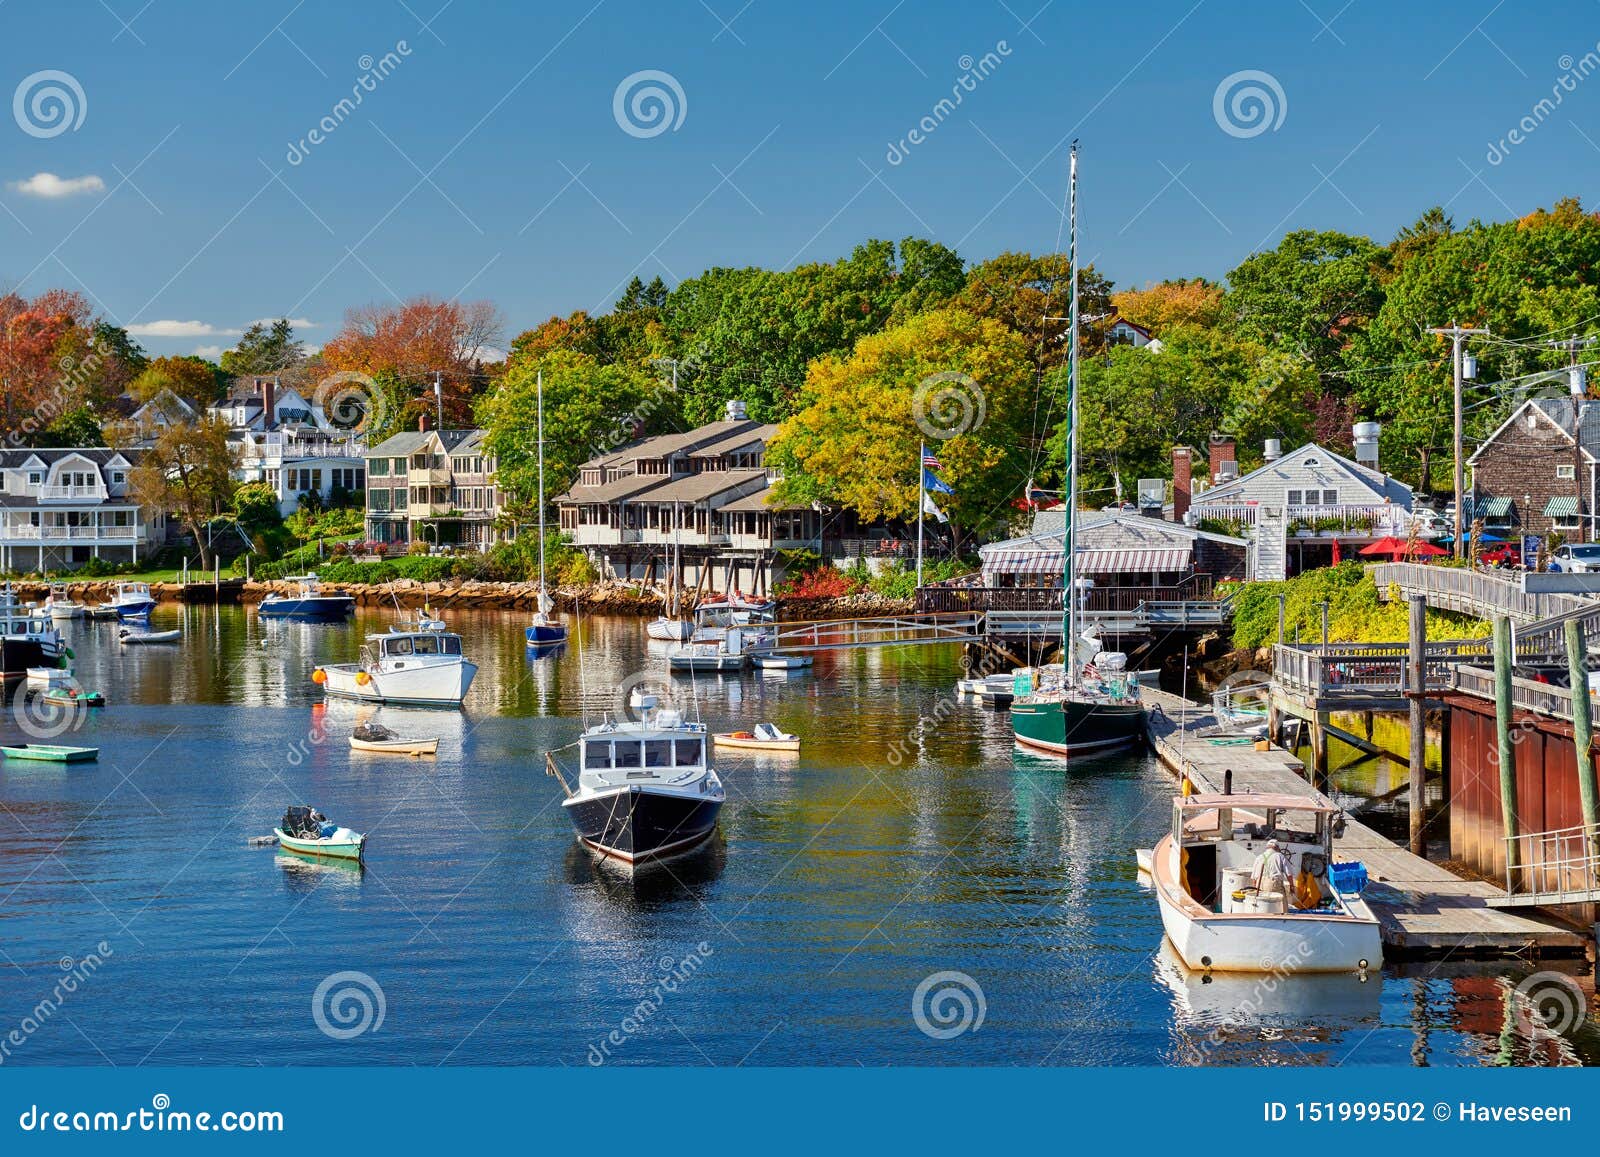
<point x="309" y="832"/>
<point x="423" y="668"/>
<point x="308" y="604"/>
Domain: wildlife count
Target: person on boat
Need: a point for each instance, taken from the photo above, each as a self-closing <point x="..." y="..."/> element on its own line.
<point x="1271" y="872"/>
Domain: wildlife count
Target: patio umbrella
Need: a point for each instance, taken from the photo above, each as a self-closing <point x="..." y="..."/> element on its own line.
<point x="1398" y="548"/>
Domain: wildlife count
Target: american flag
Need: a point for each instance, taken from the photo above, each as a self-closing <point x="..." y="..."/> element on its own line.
<point x="931" y="461"/>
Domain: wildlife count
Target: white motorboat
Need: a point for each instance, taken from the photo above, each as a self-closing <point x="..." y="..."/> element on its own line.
<point x="669" y="630"/>
<point x="61" y="605"/>
<point x="763" y="737"/>
<point x="27" y="639"/>
<point x="646" y="789"/>
<point x="142" y="638"/>
<point x="422" y="667"/>
<point x="724" y="654"/>
<point x="715" y="617"/>
<point x="776" y="661"/>
<point x="49" y="676"/>
<point x="1243" y="886"/>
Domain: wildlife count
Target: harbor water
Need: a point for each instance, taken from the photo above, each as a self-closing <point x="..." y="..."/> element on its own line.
<point x="910" y="889"/>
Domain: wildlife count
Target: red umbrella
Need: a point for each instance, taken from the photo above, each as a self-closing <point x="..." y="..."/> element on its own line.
<point x="1398" y="548"/>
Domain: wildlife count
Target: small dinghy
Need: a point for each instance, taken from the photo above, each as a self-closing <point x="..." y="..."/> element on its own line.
<point x="309" y="832"/>
<point x="49" y="676"/>
<point x="765" y="737"/>
<point x="50" y="753"/>
<point x="140" y="638"/>
<point x="73" y="697"/>
<point x="376" y="737"/>
<point x="777" y="661"/>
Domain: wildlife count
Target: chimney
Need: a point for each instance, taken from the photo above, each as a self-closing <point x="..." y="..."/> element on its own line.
<point x="1366" y="439"/>
<point x="422" y="422"/>
<point x="1273" y="450"/>
<point x="1182" y="481"/>
<point x="736" y="412"/>
<point x="1224" y="463"/>
<point x="267" y="388"/>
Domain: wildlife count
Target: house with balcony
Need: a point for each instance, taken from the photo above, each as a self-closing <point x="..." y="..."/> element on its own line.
<point x="1526" y="477"/>
<point x="699" y="500"/>
<point x="59" y="508"/>
<point x="435" y="487"/>
<point x="286" y="442"/>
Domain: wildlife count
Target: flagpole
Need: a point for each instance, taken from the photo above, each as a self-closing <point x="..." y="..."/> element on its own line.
<point x="922" y="497"/>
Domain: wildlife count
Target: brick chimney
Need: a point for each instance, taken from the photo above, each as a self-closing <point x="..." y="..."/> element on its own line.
<point x="267" y="388"/>
<point x="1182" y="481"/>
<point x="1224" y="461"/>
<point x="422" y="421"/>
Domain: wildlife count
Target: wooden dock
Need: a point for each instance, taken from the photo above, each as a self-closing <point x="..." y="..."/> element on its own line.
<point x="1425" y="911"/>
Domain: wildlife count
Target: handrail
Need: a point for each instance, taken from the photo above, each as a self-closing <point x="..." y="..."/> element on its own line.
<point x="1564" y="862"/>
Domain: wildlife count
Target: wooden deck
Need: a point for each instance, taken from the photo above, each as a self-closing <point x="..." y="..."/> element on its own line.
<point x="1425" y="911"/>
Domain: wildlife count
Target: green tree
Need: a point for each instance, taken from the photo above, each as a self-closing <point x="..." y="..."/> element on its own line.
<point x="1030" y="295"/>
<point x="192" y="379"/>
<point x="265" y="348"/>
<point x="1307" y="295"/>
<point x="77" y="427"/>
<point x="188" y="470"/>
<point x="961" y="384"/>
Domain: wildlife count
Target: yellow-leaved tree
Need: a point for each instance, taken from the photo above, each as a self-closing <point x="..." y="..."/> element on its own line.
<point x="962" y="386"/>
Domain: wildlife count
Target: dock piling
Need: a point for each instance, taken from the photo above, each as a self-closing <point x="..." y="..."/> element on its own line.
<point x="1505" y="749"/>
<point x="1416" y="687"/>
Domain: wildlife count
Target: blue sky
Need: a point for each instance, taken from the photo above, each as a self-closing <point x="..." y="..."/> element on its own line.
<point x="489" y="161"/>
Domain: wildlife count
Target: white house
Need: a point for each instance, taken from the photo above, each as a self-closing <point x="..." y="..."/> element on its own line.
<point x="285" y="441"/>
<point x="59" y="508"/>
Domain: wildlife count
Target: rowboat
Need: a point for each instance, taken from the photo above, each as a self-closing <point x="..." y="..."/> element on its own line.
<point x="777" y="661"/>
<point x="309" y="832"/>
<point x="765" y="737"/>
<point x="71" y="697"/>
<point x="50" y="753"/>
<point x="139" y="638"/>
<point x="373" y="737"/>
<point x="1244" y="885"/>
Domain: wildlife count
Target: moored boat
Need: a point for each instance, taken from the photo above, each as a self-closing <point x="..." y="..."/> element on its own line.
<point x="776" y="661"/>
<point x="134" y="638"/>
<point x="308" y="604"/>
<point x="544" y="631"/>
<point x="1243" y="885"/>
<point x="50" y="752"/>
<point x="424" y="668"/>
<point x="73" y="697"/>
<point x="645" y="790"/>
<point x="61" y="605"/>
<point x="380" y="740"/>
<point x="49" y="676"/>
<point x="132" y="600"/>
<point x="309" y="832"/>
<point x="763" y="737"/>
<point x="27" y="639"/>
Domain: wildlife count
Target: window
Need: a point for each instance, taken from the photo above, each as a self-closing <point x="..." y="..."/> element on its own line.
<point x="658" y="753"/>
<point x="597" y="755"/>
<point x="1330" y="498"/>
<point x="1565" y="471"/>
<point x="118" y="477"/>
<point x="427" y="646"/>
<point x="1295" y="498"/>
<point x="35" y="477"/>
<point x="380" y="466"/>
<point x="627" y="754"/>
<point x="400" y="499"/>
<point x="378" y="500"/>
<point x="120" y="518"/>
<point x="399" y="646"/>
<point x="399" y="465"/>
<point x="449" y="645"/>
<point x="688" y="752"/>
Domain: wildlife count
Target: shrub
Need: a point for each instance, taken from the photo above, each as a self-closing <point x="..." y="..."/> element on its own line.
<point x="821" y="583"/>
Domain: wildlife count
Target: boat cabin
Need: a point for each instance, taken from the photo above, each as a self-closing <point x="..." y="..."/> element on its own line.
<point x="632" y="751"/>
<point x="17" y="620"/>
<point x="417" y="645"/>
<point x="1222" y="837"/>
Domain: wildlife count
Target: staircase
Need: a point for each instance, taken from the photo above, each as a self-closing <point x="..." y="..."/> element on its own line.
<point x="1270" y="551"/>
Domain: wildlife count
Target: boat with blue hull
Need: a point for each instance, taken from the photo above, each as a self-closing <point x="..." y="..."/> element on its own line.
<point x="645" y="789"/>
<point x="309" y="604"/>
<point x="132" y="601"/>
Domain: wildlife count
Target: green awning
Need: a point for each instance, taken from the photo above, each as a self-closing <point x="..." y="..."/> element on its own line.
<point x="1561" y="507"/>
<point x="1492" y="508"/>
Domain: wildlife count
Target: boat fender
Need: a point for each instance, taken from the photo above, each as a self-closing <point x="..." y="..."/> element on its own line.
<point x="363" y="678"/>
<point x="319" y="676"/>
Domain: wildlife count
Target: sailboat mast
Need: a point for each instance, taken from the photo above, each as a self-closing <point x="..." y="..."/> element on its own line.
<point x="539" y="396"/>
<point x="1069" y="567"/>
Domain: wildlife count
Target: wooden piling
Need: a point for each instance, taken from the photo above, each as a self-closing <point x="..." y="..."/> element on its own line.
<point x="1416" y="690"/>
<point x="1319" y="750"/>
<point x="1505" y="749"/>
<point x="1582" y="721"/>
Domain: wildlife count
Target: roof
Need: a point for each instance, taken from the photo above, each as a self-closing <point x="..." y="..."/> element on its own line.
<point x="761" y="502"/>
<point x="663" y="444"/>
<point x="761" y="434"/>
<point x="410" y="441"/>
<point x="1558" y="412"/>
<point x="1278" y="472"/>
<point x="618" y="488"/>
<point x="1561" y="507"/>
<point x="708" y="484"/>
<point x="48" y="455"/>
<point x="1108" y="529"/>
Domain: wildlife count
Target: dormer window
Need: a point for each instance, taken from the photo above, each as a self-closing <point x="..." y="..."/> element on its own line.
<point x="35" y="478"/>
<point x="1312" y="463"/>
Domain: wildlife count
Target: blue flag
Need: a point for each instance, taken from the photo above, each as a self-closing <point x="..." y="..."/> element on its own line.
<point x="931" y="481"/>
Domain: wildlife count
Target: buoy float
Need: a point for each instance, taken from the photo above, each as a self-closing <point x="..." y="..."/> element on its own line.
<point x="362" y="678"/>
<point x="319" y="676"/>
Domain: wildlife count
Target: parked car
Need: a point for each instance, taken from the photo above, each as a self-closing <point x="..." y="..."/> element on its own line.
<point x="1431" y="524"/>
<point x="1503" y="554"/>
<point x="1576" y="558"/>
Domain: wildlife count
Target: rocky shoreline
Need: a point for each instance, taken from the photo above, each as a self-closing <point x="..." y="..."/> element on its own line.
<point x="599" y="598"/>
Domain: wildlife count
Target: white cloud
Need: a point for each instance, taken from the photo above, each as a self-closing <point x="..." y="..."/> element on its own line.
<point x="50" y="186"/>
<point x="312" y="350"/>
<point x="169" y="328"/>
<point x="209" y="351"/>
<point x="297" y="322"/>
<point x="488" y="354"/>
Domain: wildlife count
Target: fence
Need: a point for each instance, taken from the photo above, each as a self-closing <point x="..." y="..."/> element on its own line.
<point x="1561" y="866"/>
<point x="1039" y="600"/>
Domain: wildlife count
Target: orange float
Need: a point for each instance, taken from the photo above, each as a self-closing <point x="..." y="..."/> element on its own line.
<point x="319" y="676"/>
<point x="362" y="678"/>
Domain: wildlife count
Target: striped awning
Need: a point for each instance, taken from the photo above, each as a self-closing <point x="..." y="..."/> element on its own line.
<point x="1561" y="507"/>
<point x="1023" y="562"/>
<point x="1492" y="508"/>
<point x="1090" y="562"/>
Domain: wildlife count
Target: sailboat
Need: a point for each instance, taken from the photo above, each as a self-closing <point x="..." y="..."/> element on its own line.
<point x="1094" y="705"/>
<point x="672" y="627"/>
<point x="543" y="631"/>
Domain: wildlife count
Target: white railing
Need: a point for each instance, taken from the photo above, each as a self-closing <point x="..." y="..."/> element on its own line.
<point x="1555" y="867"/>
<point x="1354" y="518"/>
<point x="72" y="493"/>
<point x="71" y="534"/>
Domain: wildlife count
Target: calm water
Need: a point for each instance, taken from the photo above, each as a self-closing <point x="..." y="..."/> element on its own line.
<point x="840" y="883"/>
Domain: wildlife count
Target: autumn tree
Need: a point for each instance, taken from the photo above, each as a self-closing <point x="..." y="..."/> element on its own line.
<point x="961" y="384"/>
<point x="1183" y="301"/>
<point x="1030" y="296"/>
<point x="188" y="470"/>
<point x="192" y="379"/>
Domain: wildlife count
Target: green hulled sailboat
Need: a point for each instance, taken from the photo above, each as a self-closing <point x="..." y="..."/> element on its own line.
<point x="1091" y="703"/>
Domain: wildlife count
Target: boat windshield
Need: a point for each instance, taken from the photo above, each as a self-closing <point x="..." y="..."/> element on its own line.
<point x="421" y="644"/>
<point x="606" y="752"/>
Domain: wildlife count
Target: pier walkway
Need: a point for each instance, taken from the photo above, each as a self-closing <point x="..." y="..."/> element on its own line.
<point x="1424" y="910"/>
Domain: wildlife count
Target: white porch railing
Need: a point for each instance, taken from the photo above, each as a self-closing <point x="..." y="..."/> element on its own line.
<point x="81" y="535"/>
<point x="72" y="493"/>
<point x="1377" y="519"/>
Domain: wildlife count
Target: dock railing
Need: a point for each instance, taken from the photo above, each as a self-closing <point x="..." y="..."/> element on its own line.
<point x="1555" y="867"/>
<point x="1368" y="669"/>
<point x="1475" y="593"/>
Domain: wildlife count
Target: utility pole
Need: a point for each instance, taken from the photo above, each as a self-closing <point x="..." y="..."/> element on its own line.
<point x="438" y="397"/>
<point x="1458" y="335"/>
<point x="1578" y="386"/>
